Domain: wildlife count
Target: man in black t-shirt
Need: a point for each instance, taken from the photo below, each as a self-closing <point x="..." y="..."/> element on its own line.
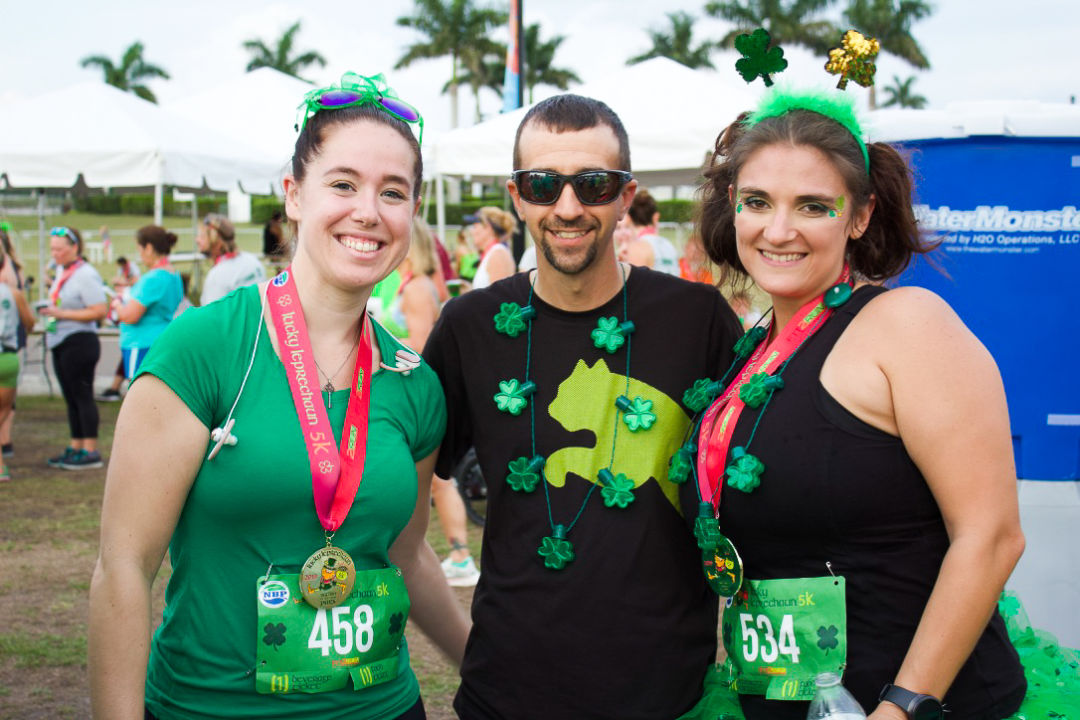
<point x="591" y="601"/>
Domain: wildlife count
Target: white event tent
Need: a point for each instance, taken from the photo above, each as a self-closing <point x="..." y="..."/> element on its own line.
<point x="258" y="108"/>
<point x="672" y="116"/>
<point x="114" y="139"/>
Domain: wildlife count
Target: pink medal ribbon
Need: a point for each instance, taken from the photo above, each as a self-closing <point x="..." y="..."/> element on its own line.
<point x="718" y="424"/>
<point x="54" y="294"/>
<point x="335" y="473"/>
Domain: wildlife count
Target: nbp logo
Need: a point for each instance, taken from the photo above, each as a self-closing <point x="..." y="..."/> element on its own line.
<point x="274" y="594"/>
<point x="281" y="278"/>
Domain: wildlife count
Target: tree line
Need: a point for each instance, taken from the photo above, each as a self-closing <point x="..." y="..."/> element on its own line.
<point x="462" y="29"/>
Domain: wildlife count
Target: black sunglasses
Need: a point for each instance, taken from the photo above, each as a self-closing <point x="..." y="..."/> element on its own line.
<point x="593" y="187"/>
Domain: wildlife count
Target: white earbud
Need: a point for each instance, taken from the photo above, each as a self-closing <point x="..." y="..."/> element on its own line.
<point x="405" y="361"/>
<point x="221" y="437"/>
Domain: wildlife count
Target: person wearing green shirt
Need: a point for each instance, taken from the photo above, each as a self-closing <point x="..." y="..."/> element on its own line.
<point x="280" y="446"/>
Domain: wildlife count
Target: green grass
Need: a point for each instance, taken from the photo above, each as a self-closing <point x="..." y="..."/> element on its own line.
<point x="122" y="232"/>
<point x="33" y="650"/>
<point x="49" y="535"/>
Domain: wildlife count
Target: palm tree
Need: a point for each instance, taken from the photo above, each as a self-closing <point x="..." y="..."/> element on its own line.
<point x="890" y="22"/>
<point x="456" y="28"/>
<point x="280" y="57"/>
<point x="788" y="22"/>
<point x="539" y="62"/>
<point x="677" y="44"/>
<point x="901" y="94"/>
<point x="539" y="68"/>
<point x="479" y="72"/>
<point x="128" y="74"/>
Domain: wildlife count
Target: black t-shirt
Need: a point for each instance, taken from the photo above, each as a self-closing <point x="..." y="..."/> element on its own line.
<point x="840" y="491"/>
<point x="628" y="628"/>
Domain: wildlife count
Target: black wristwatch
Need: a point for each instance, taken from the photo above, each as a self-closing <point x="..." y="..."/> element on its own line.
<point x="916" y="705"/>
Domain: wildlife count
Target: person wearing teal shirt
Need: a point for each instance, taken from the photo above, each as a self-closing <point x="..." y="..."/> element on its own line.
<point x="147" y="308"/>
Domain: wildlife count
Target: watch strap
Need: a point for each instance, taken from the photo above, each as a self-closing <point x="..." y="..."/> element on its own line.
<point x="910" y="702"/>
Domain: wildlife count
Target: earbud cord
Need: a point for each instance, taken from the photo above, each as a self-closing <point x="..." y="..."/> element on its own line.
<point x="251" y="362"/>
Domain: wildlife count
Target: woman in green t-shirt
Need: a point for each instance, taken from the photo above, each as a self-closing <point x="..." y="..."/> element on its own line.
<point x="278" y="606"/>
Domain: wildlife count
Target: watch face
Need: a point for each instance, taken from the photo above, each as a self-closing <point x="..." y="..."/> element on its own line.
<point x="927" y="708"/>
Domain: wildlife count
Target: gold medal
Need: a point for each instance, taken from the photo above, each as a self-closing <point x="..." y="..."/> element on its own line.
<point x="327" y="577"/>
<point x="724" y="570"/>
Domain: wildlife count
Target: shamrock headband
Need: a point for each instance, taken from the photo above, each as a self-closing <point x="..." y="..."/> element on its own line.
<point x="853" y="59"/>
<point x="836" y="106"/>
<point x="357" y="89"/>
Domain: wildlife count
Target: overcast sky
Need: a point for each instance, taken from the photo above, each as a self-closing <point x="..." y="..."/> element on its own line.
<point x="979" y="49"/>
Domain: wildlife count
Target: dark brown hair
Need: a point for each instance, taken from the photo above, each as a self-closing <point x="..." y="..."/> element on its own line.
<point x="892" y="237"/>
<point x="9" y="251"/>
<point x="157" y="237"/>
<point x="571" y="113"/>
<point x="643" y="208"/>
<point x="309" y="143"/>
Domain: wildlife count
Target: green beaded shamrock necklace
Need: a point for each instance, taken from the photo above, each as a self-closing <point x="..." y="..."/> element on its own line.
<point x="721" y="563"/>
<point x="525" y="473"/>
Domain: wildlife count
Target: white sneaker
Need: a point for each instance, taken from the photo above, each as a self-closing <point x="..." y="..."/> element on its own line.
<point x="463" y="574"/>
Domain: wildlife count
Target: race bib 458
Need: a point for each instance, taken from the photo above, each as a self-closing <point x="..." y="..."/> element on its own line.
<point x="301" y="649"/>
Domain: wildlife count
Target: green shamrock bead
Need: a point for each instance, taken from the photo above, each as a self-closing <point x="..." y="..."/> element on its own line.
<point x="637" y="413"/>
<point x="618" y="490"/>
<point x="556" y="549"/>
<point x="755" y="390"/>
<point x="610" y="334"/>
<point x="513" y="395"/>
<point x="744" y="473"/>
<point x="706" y="529"/>
<point x="750" y="340"/>
<point x="837" y="295"/>
<point x="525" y="473"/>
<point x="512" y="318"/>
<point x="700" y="394"/>
<point x="682" y="462"/>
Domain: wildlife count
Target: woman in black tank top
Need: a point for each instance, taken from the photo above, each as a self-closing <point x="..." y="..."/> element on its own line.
<point x="881" y="465"/>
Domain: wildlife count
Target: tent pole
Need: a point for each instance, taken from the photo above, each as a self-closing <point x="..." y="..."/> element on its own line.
<point x="159" y="203"/>
<point x="41" y="243"/>
<point x="195" y="280"/>
<point x="440" y="209"/>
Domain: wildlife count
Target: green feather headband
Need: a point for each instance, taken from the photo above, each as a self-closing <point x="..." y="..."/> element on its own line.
<point x="839" y="107"/>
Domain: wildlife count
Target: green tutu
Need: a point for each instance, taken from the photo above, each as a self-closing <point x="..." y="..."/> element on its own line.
<point x="1052" y="672"/>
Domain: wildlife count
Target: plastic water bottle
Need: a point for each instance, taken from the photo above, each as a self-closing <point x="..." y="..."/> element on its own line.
<point x="832" y="701"/>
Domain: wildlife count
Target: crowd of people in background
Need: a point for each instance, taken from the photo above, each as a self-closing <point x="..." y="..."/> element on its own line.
<point x="144" y="296"/>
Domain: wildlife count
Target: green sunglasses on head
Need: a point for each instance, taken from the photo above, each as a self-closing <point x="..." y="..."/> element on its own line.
<point x="61" y="231"/>
<point x="357" y="89"/>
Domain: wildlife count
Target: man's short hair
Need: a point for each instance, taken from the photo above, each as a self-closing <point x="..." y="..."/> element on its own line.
<point x="571" y="113"/>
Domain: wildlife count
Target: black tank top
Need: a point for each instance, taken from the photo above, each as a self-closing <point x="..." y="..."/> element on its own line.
<point x="838" y="490"/>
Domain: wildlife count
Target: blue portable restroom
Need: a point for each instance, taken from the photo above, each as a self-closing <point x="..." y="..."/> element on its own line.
<point x="999" y="183"/>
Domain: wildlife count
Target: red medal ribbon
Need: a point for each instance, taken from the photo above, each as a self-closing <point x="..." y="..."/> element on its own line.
<point x="335" y="473"/>
<point x="54" y="294"/>
<point x="225" y="256"/>
<point x="718" y="425"/>
<point x="161" y="264"/>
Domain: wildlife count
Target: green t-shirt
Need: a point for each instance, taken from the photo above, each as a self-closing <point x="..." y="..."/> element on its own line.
<point x="252" y="506"/>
